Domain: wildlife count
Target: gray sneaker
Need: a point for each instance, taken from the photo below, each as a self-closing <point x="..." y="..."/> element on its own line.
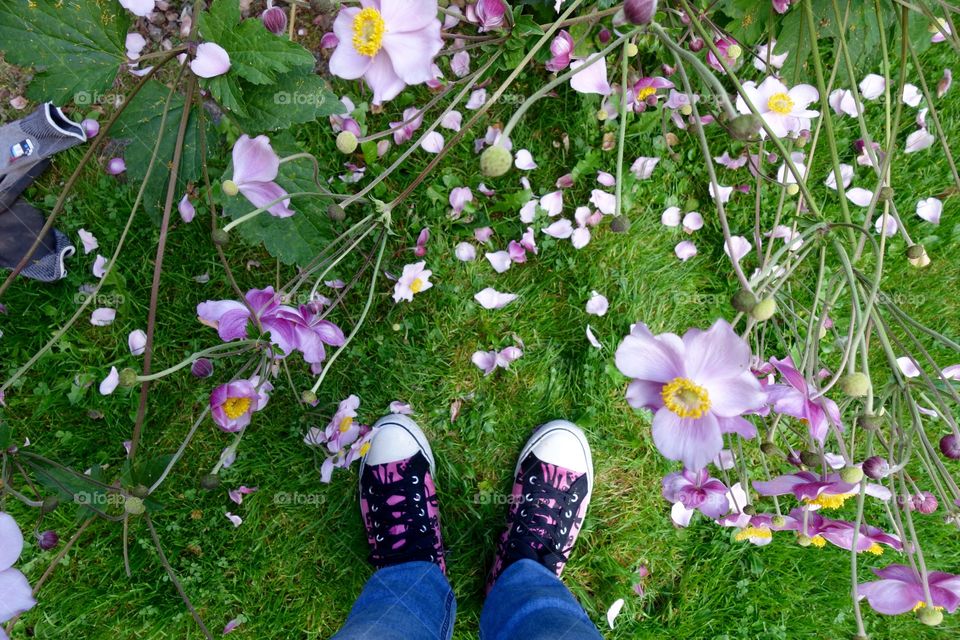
<point x="27" y="143"/>
<point x="19" y="227"/>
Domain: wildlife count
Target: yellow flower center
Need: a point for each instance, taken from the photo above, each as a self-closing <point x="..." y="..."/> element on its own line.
<point x="368" y="28"/>
<point x="752" y="532"/>
<point x="875" y="549"/>
<point x="345" y="424"/>
<point x="780" y="103"/>
<point x="364" y="448"/>
<point x="830" y="500"/>
<point x="685" y="398"/>
<point x="236" y="407"/>
<point x="416" y="286"/>
<point x="818" y="541"/>
<point x="921" y="604"/>
<point x="645" y="93"/>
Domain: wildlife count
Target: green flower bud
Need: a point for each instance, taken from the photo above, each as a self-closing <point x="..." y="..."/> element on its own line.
<point x="915" y="251"/>
<point x="620" y="224"/>
<point x="134" y="506"/>
<point x="750" y="510"/>
<point x="851" y="475"/>
<point x="929" y="616"/>
<point x="744" y="301"/>
<point x="768" y="448"/>
<point x="764" y="310"/>
<point x="869" y="422"/>
<point x="746" y="127"/>
<point x="347" y="142"/>
<point x="210" y="481"/>
<point x="886" y="193"/>
<point x="230" y="188"/>
<point x="734" y="51"/>
<point x="50" y="504"/>
<point x="336" y="213"/>
<point x="308" y="397"/>
<point x="793" y="189"/>
<point x="220" y="237"/>
<point x="632" y="50"/>
<point x="810" y="458"/>
<point x="128" y="377"/>
<point x="495" y="161"/>
<point x="778" y="521"/>
<point x="686" y="109"/>
<point x="140" y="491"/>
<point x="855" y="385"/>
<point x="804" y="541"/>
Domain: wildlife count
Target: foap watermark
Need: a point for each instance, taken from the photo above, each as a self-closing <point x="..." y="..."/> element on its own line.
<point x="299" y="98"/>
<point x="494" y="497"/>
<point x="295" y="498"/>
<point x="86" y="98"/>
<point x="99" y="499"/>
<point x="101" y="299"/>
<point x="698" y="298"/>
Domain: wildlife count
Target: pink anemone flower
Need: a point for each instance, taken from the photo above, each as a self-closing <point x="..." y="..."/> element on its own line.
<point x="900" y="589"/>
<point x="389" y="43"/>
<point x="698" y="386"/>
<point x="255" y="169"/>
<point x="695" y="491"/>
<point x="234" y="403"/>
<point x="794" y="399"/>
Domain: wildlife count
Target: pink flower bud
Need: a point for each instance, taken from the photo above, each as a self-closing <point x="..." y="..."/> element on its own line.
<point x="91" y="127"/>
<point x="489" y="13"/>
<point x="639" y="11"/>
<point x="116" y="166"/>
<point x="47" y="539"/>
<point x="696" y="44"/>
<point x="604" y="36"/>
<point x="202" y="368"/>
<point x="275" y="20"/>
<point x="876" y="468"/>
<point x="925" y="502"/>
<point x="950" y="446"/>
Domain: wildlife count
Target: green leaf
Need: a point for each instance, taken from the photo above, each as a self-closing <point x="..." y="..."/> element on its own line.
<point x="140" y="126"/>
<point x="296" y="98"/>
<point x="76" y="46"/>
<point x="299" y="238"/>
<point x="256" y="55"/>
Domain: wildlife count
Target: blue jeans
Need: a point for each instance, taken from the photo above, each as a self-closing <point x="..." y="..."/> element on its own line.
<point x="414" y="601"/>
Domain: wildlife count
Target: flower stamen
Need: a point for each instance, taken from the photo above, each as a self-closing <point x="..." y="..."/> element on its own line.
<point x="752" y="532"/>
<point x="345" y="424"/>
<point x="417" y="285"/>
<point x="685" y="398"/>
<point x="368" y="29"/>
<point x="236" y="407"/>
<point x="780" y="103"/>
<point x="829" y="500"/>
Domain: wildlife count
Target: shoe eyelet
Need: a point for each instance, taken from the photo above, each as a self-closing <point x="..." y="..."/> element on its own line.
<point x="414" y="480"/>
<point x="574" y="498"/>
<point x="533" y="480"/>
<point x="423" y="528"/>
<point x="563" y="531"/>
<point x="568" y="514"/>
<point x="422" y="513"/>
<point x="527" y="497"/>
<point x="417" y="497"/>
<point x="373" y="508"/>
<point x="379" y="538"/>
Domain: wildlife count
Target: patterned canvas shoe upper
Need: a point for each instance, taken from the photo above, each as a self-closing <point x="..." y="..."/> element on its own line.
<point x="398" y="501"/>
<point x="549" y="501"/>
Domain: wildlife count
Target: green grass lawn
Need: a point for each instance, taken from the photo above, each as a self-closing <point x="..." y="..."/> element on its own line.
<point x="293" y="570"/>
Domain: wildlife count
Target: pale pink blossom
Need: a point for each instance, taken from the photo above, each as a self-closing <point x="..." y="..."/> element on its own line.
<point x="598" y="304"/>
<point x="432" y="142"/>
<point x="643" y="167"/>
<point x="524" y="160"/>
<point x="591" y="79"/>
<point x="737" y="247"/>
<point x="918" y="141"/>
<point x="490" y="298"/>
<point x="499" y="260"/>
<point x="109" y="384"/>
<point x="685" y="250"/>
<point x="211" y="60"/>
<point x="465" y="252"/>
<point x="137" y="342"/>
<point x="670" y="217"/>
<point x="89" y="241"/>
<point x="414" y="279"/>
<point x="561" y="229"/>
<point x="460" y="197"/>
<point x="930" y="210"/>
<point x="103" y="317"/>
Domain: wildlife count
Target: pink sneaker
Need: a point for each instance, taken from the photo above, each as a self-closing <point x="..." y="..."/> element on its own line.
<point x="553" y="485"/>
<point x="398" y="500"/>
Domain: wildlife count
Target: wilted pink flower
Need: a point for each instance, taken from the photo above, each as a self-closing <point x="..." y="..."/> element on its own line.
<point x="211" y="60"/>
<point x="99" y="266"/>
<point x="489" y="14"/>
<point x="414" y="279"/>
<point x="405" y="128"/>
<point x="930" y="210"/>
<point x="401" y="408"/>
<point x="421" y="249"/>
<point x="918" y="141"/>
<point x="560" y="50"/>
<point x="698" y="386"/>
<point x="942" y="86"/>
<point x="459" y="197"/>
<point x="89" y="240"/>
<point x="186" y="209"/>
<point x="237" y="494"/>
<point x="255" y="169"/>
<point x="389" y="43"/>
<point x="643" y="167"/>
<point x="483" y="234"/>
<point x="230" y="626"/>
<point x="234" y="519"/>
<point x="499" y="260"/>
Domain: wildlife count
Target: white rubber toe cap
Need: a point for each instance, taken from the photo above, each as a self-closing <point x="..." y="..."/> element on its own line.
<point x="561" y="443"/>
<point x="397" y="437"/>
